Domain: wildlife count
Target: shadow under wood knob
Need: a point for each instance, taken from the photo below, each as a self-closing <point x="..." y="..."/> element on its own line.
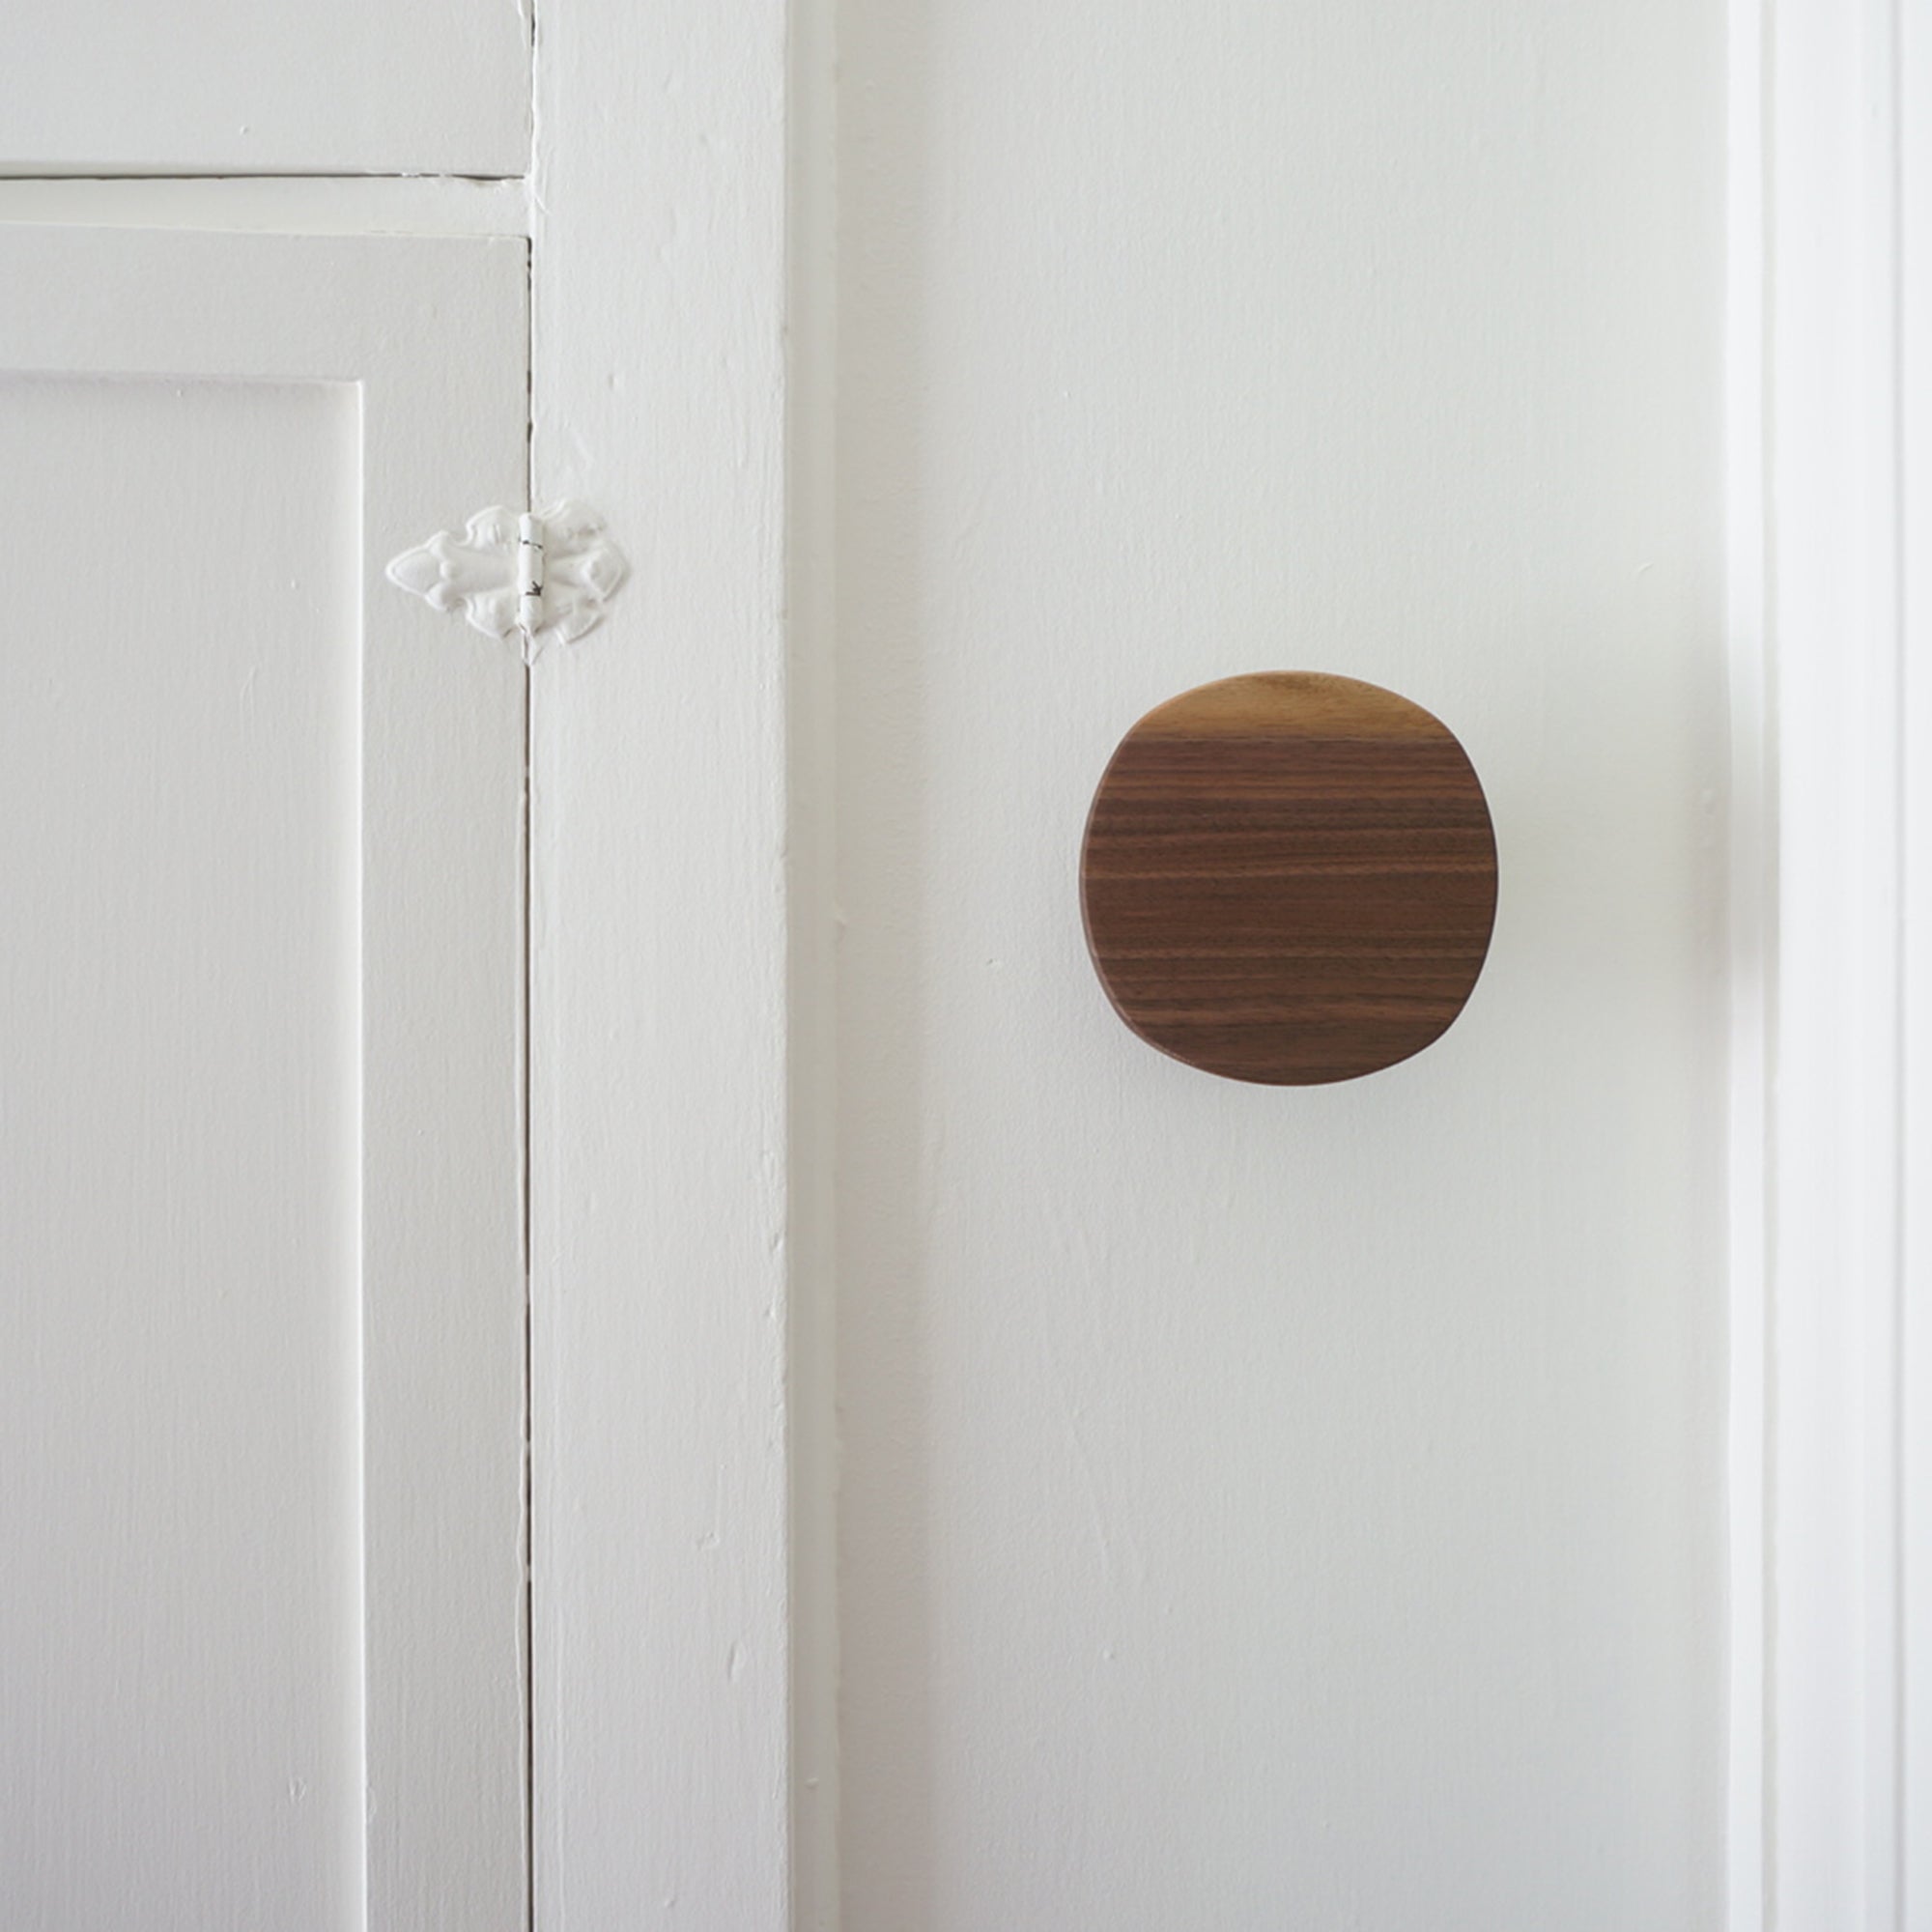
<point x="1288" y="878"/>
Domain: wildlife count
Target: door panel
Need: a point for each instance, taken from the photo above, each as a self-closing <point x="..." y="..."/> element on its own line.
<point x="261" y="1357"/>
<point x="1270" y="1507"/>
<point x="179" y="1140"/>
<point x="229" y="87"/>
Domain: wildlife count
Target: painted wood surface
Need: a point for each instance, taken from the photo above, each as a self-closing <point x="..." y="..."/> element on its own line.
<point x="661" y="1258"/>
<point x="1289" y="877"/>
<point x="261" y="1348"/>
<point x="276" y="203"/>
<point x="1263" y="1514"/>
<point x="205" y="87"/>
<point x="1240" y="1518"/>
<point x="1833" y="1738"/>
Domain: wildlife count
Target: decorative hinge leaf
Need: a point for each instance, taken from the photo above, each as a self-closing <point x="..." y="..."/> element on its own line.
<point x="545" y="578"/>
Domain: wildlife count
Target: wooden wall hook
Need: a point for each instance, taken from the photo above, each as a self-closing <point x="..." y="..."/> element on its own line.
<point x="1289" y="877"/>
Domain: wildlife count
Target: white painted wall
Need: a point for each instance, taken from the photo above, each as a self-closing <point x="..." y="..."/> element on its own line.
<point x="1270" y="1507"/>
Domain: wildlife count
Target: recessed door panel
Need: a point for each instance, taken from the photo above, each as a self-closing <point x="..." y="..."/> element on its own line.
<point x="179" y="812"/>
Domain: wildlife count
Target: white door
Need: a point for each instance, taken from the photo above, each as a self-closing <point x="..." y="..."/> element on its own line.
<point x="261" y="1276"/>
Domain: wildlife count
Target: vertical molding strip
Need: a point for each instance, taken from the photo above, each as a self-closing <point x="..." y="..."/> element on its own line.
<point x="1752" y="911"/>
<point x="813" y="1444"/>
<point x="660" y="1262"/>
<point x="1828" y="1784"/>
<point x="1913" y="108"/>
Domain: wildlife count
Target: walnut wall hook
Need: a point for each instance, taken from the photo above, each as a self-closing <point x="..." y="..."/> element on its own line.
<point x="1288" y="878"/>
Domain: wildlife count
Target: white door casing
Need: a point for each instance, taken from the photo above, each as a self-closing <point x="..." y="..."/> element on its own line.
<point x="1831" y="1369"/>
<point x="664" y="1269"/>
<point x="263" y="1338"/>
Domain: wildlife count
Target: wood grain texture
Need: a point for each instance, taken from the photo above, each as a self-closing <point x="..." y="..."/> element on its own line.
<point x="1288" y="878"/>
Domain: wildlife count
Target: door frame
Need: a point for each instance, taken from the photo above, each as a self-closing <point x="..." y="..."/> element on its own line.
<point x="671" y="1241"/>
<point x="1831" y="1443"/>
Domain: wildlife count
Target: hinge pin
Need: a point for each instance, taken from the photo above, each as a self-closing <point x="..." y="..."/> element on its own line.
<point x="496" y="573"/>
<point x="529" y="577"/>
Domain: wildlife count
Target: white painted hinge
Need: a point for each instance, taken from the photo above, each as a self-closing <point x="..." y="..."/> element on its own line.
<point x="543" y="578"/>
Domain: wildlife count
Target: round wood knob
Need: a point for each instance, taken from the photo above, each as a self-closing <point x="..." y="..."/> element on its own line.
<point x="1289" y="877"/>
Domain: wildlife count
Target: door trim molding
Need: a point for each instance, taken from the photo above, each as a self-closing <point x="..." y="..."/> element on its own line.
<point x="659" y="1254"/>
<point x="1830" y="903"/>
